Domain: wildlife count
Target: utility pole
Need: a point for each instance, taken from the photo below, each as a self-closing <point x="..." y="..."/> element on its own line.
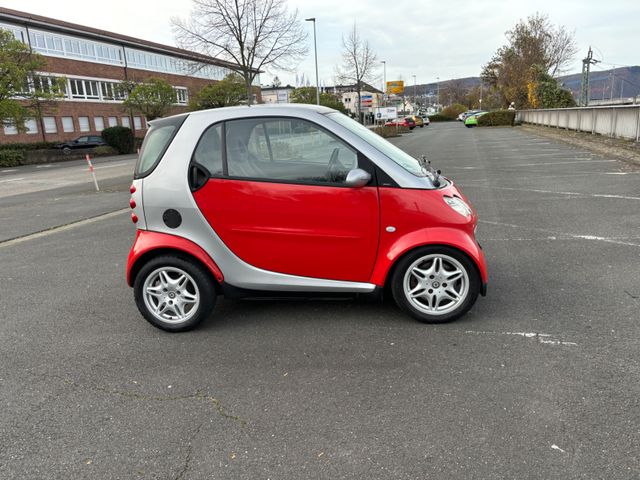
<point x="315" y="49"/>
<point x="384" y="82"/>
<point x="585" y="89"/>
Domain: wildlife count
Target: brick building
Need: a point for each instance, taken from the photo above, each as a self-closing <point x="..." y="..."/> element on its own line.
<point x="93" y="62"/>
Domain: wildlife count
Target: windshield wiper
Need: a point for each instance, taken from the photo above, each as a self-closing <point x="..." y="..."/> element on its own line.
<point x="429" y="170"/>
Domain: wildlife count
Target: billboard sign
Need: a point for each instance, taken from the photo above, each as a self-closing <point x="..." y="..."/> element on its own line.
<point x="395" y="87"/>
<point x="366" y="100"/>
<point x="386" y="113"/>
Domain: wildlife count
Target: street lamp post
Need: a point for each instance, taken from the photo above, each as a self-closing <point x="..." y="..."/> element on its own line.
<point x="384" y="82"/>
<point x="414" y="92"/>
<point x="315" y="49"/>
<point x="438" y="93"/>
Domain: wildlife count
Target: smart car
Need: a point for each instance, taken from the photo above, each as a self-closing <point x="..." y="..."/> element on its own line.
<point x="289" y="200"/>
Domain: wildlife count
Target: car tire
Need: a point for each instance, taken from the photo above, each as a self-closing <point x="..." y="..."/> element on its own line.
<point x="421" y="126"/>
<point x="468" y="126"/>
<point x="435" y="284"/>
<point x="66" y="150"/>
<point x="173" y="293"/>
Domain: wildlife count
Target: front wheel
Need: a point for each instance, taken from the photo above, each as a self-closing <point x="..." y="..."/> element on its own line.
<point x="435" y="284"/>
<point x="173" y="293"/>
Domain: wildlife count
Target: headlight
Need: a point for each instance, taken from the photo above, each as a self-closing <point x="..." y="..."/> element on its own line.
<point x="458" y="205"/>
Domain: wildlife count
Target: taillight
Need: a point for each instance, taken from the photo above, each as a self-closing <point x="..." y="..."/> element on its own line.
<point x="134" y="217"/>
<point x="132" y="188"/>
<point x="132" y="203"/>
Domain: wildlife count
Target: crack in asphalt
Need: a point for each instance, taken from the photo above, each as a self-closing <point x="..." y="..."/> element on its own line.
<point x="198" y="396"/>
<point x="189" y="455"/>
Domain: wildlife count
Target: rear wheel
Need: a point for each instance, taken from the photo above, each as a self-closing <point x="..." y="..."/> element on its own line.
<point x="173" y="293"/>
<point x="435" y="284"/>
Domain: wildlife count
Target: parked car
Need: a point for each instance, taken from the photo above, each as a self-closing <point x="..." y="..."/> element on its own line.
<point x="472" y="120"/>
<point x="293" y="200"/>
<point x="86" y="141"/>
<point x="463" y="116"/>
<point x="425" y="119"/>
<point x="401" y="122"/>
<point x="417" y="120"/>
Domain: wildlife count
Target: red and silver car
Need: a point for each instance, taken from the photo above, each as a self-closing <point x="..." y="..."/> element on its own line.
<point x="289" y="200"/>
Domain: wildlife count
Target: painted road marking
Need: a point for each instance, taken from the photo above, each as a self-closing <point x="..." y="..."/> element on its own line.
<point x="544" y="338"/>
<point x="62" y="228"/>
<point x="534" y="190"/>
<point x="561" y="234"/>
<point x="12" y="180"/>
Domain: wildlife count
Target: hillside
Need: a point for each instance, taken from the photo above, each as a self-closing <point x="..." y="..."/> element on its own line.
<point x="605" y="84"/>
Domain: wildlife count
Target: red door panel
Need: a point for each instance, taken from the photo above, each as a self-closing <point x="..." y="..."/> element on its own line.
<point x="307" y="230"/>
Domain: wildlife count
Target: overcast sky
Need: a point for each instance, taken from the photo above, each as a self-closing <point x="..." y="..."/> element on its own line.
<point x="428" y="39"/>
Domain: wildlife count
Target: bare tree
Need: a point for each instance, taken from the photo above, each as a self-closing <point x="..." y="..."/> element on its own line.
<point x="251" y="34"/>
<point x="533" y="45"/>
<point x="358" y="63"/>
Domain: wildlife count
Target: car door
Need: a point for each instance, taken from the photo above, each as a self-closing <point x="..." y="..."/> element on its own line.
<point x="275" y="193"/>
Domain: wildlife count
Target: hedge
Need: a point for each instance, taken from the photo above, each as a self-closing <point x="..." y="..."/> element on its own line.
<point x="120" y="138"/>
<point x="439" y="118"/>
<point x="28" y="146"/>
<point x="497" y="118"/>
<point x="386" y="132"/>
<point x="11" y="158"/>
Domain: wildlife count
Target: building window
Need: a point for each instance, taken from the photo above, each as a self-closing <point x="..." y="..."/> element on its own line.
<point x="137" y="123"/>
<point x="83" y="122"/>
<point x="99" y="123"/>
<point x="113" y="121"/>
<point x="10" y="128"/>
<point x="67" y="124"/>
<point x="50" y="124"/>
<point x="84" y="89"/>
<point x="31" y="125"/>
<point x="48" y="84"/>
<point x="112" y="91"/>
<point x="182" y="96"/>
<point x="65" y="46"/>
<point x="126" y="122"/>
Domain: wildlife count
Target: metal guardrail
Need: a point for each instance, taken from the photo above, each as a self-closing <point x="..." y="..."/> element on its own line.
<point x="618" y="121"/>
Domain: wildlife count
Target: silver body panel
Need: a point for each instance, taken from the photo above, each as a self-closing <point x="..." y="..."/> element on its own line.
<point x="167" y="187"/>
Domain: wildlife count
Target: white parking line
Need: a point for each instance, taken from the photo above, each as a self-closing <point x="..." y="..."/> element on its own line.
<point x="534" y="190"/>
<point x="62" y="228"/>
<point x="12" y="180"/>
<point x="45" y="166"/>
<point x="544" y="338"/>
<point x="562" y="234"/>
<point x="8" y="171"/>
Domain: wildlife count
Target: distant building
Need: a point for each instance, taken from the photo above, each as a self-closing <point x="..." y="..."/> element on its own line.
<point x="94" y="62"/>
<point x="280" y="94"/>
<point x="370" y="97"/>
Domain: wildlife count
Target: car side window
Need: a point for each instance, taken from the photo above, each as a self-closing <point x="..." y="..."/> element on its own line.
<point x="208" y="153"/>
<point x="287" y="149"/>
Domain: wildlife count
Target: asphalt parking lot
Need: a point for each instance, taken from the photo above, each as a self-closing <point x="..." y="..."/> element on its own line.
<point x="541" y="379"/>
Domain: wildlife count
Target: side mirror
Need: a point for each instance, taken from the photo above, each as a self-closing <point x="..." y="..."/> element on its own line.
<point x="357" y="178"/>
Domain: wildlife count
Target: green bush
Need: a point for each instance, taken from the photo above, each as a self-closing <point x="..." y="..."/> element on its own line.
<point x="452" y="111"/>
<point x="104" y="151"/>
<point x="28" y="146"/>
<point x="499" y="117"/>
<point x="120" y="138"/>
<point x="439" y="118"/>
<point x="11" y="158"/>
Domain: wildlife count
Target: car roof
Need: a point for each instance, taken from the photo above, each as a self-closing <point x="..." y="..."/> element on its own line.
<point x="253" y="110"/>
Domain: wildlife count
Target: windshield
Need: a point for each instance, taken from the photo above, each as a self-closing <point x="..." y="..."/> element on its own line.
<point x="402" y="158"/>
